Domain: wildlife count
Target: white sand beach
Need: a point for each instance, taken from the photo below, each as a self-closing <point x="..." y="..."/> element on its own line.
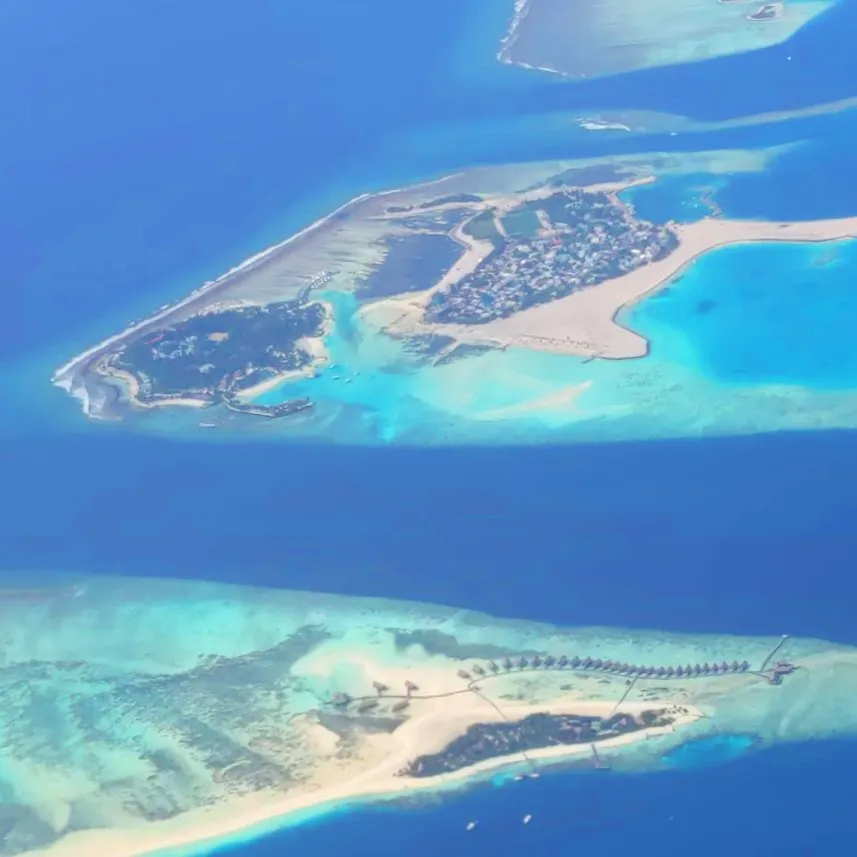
<point x="372" y="775"/>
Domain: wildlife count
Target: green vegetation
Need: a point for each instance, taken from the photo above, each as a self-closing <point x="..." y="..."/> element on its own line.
<point x="522" y="223"/>
<point x="214" y="354"/>
<point x="483" y="228"/>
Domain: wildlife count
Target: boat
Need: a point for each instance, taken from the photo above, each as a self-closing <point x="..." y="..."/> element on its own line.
<point x="527" y="819"/>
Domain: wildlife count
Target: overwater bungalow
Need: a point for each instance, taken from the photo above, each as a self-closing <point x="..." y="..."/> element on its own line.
<point x="706" y="669"/>
<point x="550" y="660"/>
<point x="537" y="661"/>
<point x="493" y="667"/>
<point x="340" y="700"/>
<point x="562" y="661"/>
<point x="724" y="667"/>
<point x="679" y="671"/>
<point x="734" y="666"/>
<point x="478" y="670"/>
<point x="661" y="672"/>
<point x="522" y="663"/>
<point x="464" y="674"/>
<point x="587" y="663"/>
<point x="380" y="687"/>
<point x="401" y="705"/>
<point x="575" y="662"/>
<point x="745" y="665"/>
<point x="688" y="670"/>
<point x="507" y="664"/>
<point x="670" y="672"/>
<point x="607" y="665"/>
<point x="367" y="706"/>
<point x="597" y="664"/>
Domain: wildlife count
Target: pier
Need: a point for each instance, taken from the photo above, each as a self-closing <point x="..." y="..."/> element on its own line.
<point x="479" y="673"/>
<point x="293" y="406"/>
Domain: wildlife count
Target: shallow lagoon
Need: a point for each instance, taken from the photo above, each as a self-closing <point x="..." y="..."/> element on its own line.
<point x="750" y="338"/>
<point x="760" y="314"/>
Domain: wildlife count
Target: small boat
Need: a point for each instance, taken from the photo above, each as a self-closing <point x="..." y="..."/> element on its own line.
<point x="527" y="819"/>
<point x="534" y="775"/>
<point x="471" y="825"/>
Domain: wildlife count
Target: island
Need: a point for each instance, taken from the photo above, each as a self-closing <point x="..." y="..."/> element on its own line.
<point x="217" y="355"/>
<point x="604" y="37"/>
<point x="413" y="312"/>
<point x="141" y="715"/>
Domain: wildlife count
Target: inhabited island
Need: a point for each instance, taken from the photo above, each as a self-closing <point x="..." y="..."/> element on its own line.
<point x="402" y="284"/>
<point x="191" y="712"/>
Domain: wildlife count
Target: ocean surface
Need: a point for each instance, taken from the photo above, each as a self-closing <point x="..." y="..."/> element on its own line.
<point x="154" y="146"/>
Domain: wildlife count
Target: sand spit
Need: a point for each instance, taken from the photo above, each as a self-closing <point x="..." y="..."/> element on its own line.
<point x="372" y="776"/>
<point x="584" y="323"/>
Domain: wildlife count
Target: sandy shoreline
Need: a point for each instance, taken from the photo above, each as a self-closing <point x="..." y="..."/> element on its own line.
<point x="203" y="297"/>
<point x="200" y="830"/>
<point x="584" y="322"/>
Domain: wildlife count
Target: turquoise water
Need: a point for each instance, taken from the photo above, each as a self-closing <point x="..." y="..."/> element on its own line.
<point x="710" y="750"/>
<point x="759" y="314"/>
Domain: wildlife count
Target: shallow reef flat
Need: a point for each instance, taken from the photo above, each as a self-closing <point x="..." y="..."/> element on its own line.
<point x="603" y="37"/>
<point x="140" y="715"/>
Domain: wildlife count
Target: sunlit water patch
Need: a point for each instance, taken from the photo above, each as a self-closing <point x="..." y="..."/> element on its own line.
<point x="710" y="750"/>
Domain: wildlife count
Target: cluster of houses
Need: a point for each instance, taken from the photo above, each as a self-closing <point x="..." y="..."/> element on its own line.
<point x="585" y="239"/>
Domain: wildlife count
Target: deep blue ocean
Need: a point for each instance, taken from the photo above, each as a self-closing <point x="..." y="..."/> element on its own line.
<point x="147" y="147"/>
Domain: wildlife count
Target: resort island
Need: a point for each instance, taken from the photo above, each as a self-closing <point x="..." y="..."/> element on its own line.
<point x="143" y="715"/>
<point x="366" y="309"/>
<point x="595" y="38"/>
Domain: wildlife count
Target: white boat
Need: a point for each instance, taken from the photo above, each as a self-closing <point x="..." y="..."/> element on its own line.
<point x="527" y="819"/>
<point x="471" y="825"/>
